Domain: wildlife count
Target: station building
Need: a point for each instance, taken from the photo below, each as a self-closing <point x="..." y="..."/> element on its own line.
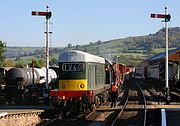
<point x="154" y="67"/>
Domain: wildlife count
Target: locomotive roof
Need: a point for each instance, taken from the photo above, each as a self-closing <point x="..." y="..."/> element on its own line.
<point x="79" y="56"/>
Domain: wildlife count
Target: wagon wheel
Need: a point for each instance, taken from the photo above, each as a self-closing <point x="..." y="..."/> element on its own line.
<point x="26" y="98"/>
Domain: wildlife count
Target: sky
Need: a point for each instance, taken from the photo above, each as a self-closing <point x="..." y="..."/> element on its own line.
<point x="80" y="22"/>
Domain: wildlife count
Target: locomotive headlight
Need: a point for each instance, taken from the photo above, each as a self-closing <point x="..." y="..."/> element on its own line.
<point x="63" y="86"/>
<point x="81" y="86"/>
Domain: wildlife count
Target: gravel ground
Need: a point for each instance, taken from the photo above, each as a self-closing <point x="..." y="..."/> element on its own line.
<point x="20" y="120"/>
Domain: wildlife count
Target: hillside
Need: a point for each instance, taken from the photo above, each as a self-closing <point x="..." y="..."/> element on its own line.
<point x="131" y="50"/>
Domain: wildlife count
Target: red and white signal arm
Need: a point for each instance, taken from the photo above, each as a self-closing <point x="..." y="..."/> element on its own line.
<point x="47" y="14"/>
<point x="36" y="13"/>
<point x="158" y="15"/>
<point x="167" y="17"/>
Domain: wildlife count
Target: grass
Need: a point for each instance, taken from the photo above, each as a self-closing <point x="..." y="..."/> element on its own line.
<point x="159" y="50"/>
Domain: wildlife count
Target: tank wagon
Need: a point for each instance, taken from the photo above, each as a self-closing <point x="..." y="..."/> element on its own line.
<point x="82" y="74"/>
<point x="25" y="85"/>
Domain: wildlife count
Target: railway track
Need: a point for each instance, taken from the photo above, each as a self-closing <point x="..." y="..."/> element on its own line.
<point x="127" y="117"/>
<point x="122" y="115"/>
<point x="127" y="112"/>
<point x="91" y="118"/>
<point x="112" y="116"/>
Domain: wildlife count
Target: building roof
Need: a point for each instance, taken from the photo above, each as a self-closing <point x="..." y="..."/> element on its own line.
<point x="162" y="55"/>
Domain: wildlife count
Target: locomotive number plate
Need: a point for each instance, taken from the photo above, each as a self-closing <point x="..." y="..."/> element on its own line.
<point x="72" y="67"/>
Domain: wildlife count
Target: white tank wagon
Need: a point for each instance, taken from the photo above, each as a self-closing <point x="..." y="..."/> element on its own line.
<point x="52" y="75"/>
<point x="27" y="85"/>
<point x="25" y="76"/>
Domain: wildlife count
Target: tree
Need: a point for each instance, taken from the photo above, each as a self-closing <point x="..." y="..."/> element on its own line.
<point x="41" y="62"/>
<point x="36" y="64"/>
<point x="99" y="42"/>
<point x="2" y="51"/>
<point x="78" y="47"/>
<point x="53" y="61"/>
<point x="9" y="63"/>
<point x="69" y="45"/>
<point x="20" y="64"/>
<point x="91" y="43"/>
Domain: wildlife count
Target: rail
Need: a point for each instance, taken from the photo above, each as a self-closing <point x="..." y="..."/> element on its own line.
<point x="115" y="122"/>
<point x="124" y="106"/>
<point x="145" y="106"/>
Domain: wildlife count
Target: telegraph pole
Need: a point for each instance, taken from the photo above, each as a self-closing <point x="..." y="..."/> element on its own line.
<point x="48" y="15"/>
<point x="167" y="17"/>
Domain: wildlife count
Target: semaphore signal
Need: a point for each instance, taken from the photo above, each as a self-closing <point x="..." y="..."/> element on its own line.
<point x="167" y="17"/>
<point x="47" y="14"/>
<point x="39" y="13"/>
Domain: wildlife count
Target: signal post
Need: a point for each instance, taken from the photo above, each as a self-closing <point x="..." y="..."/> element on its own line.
<point x="48" y="15"/>
<point x="167" y="18"/>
